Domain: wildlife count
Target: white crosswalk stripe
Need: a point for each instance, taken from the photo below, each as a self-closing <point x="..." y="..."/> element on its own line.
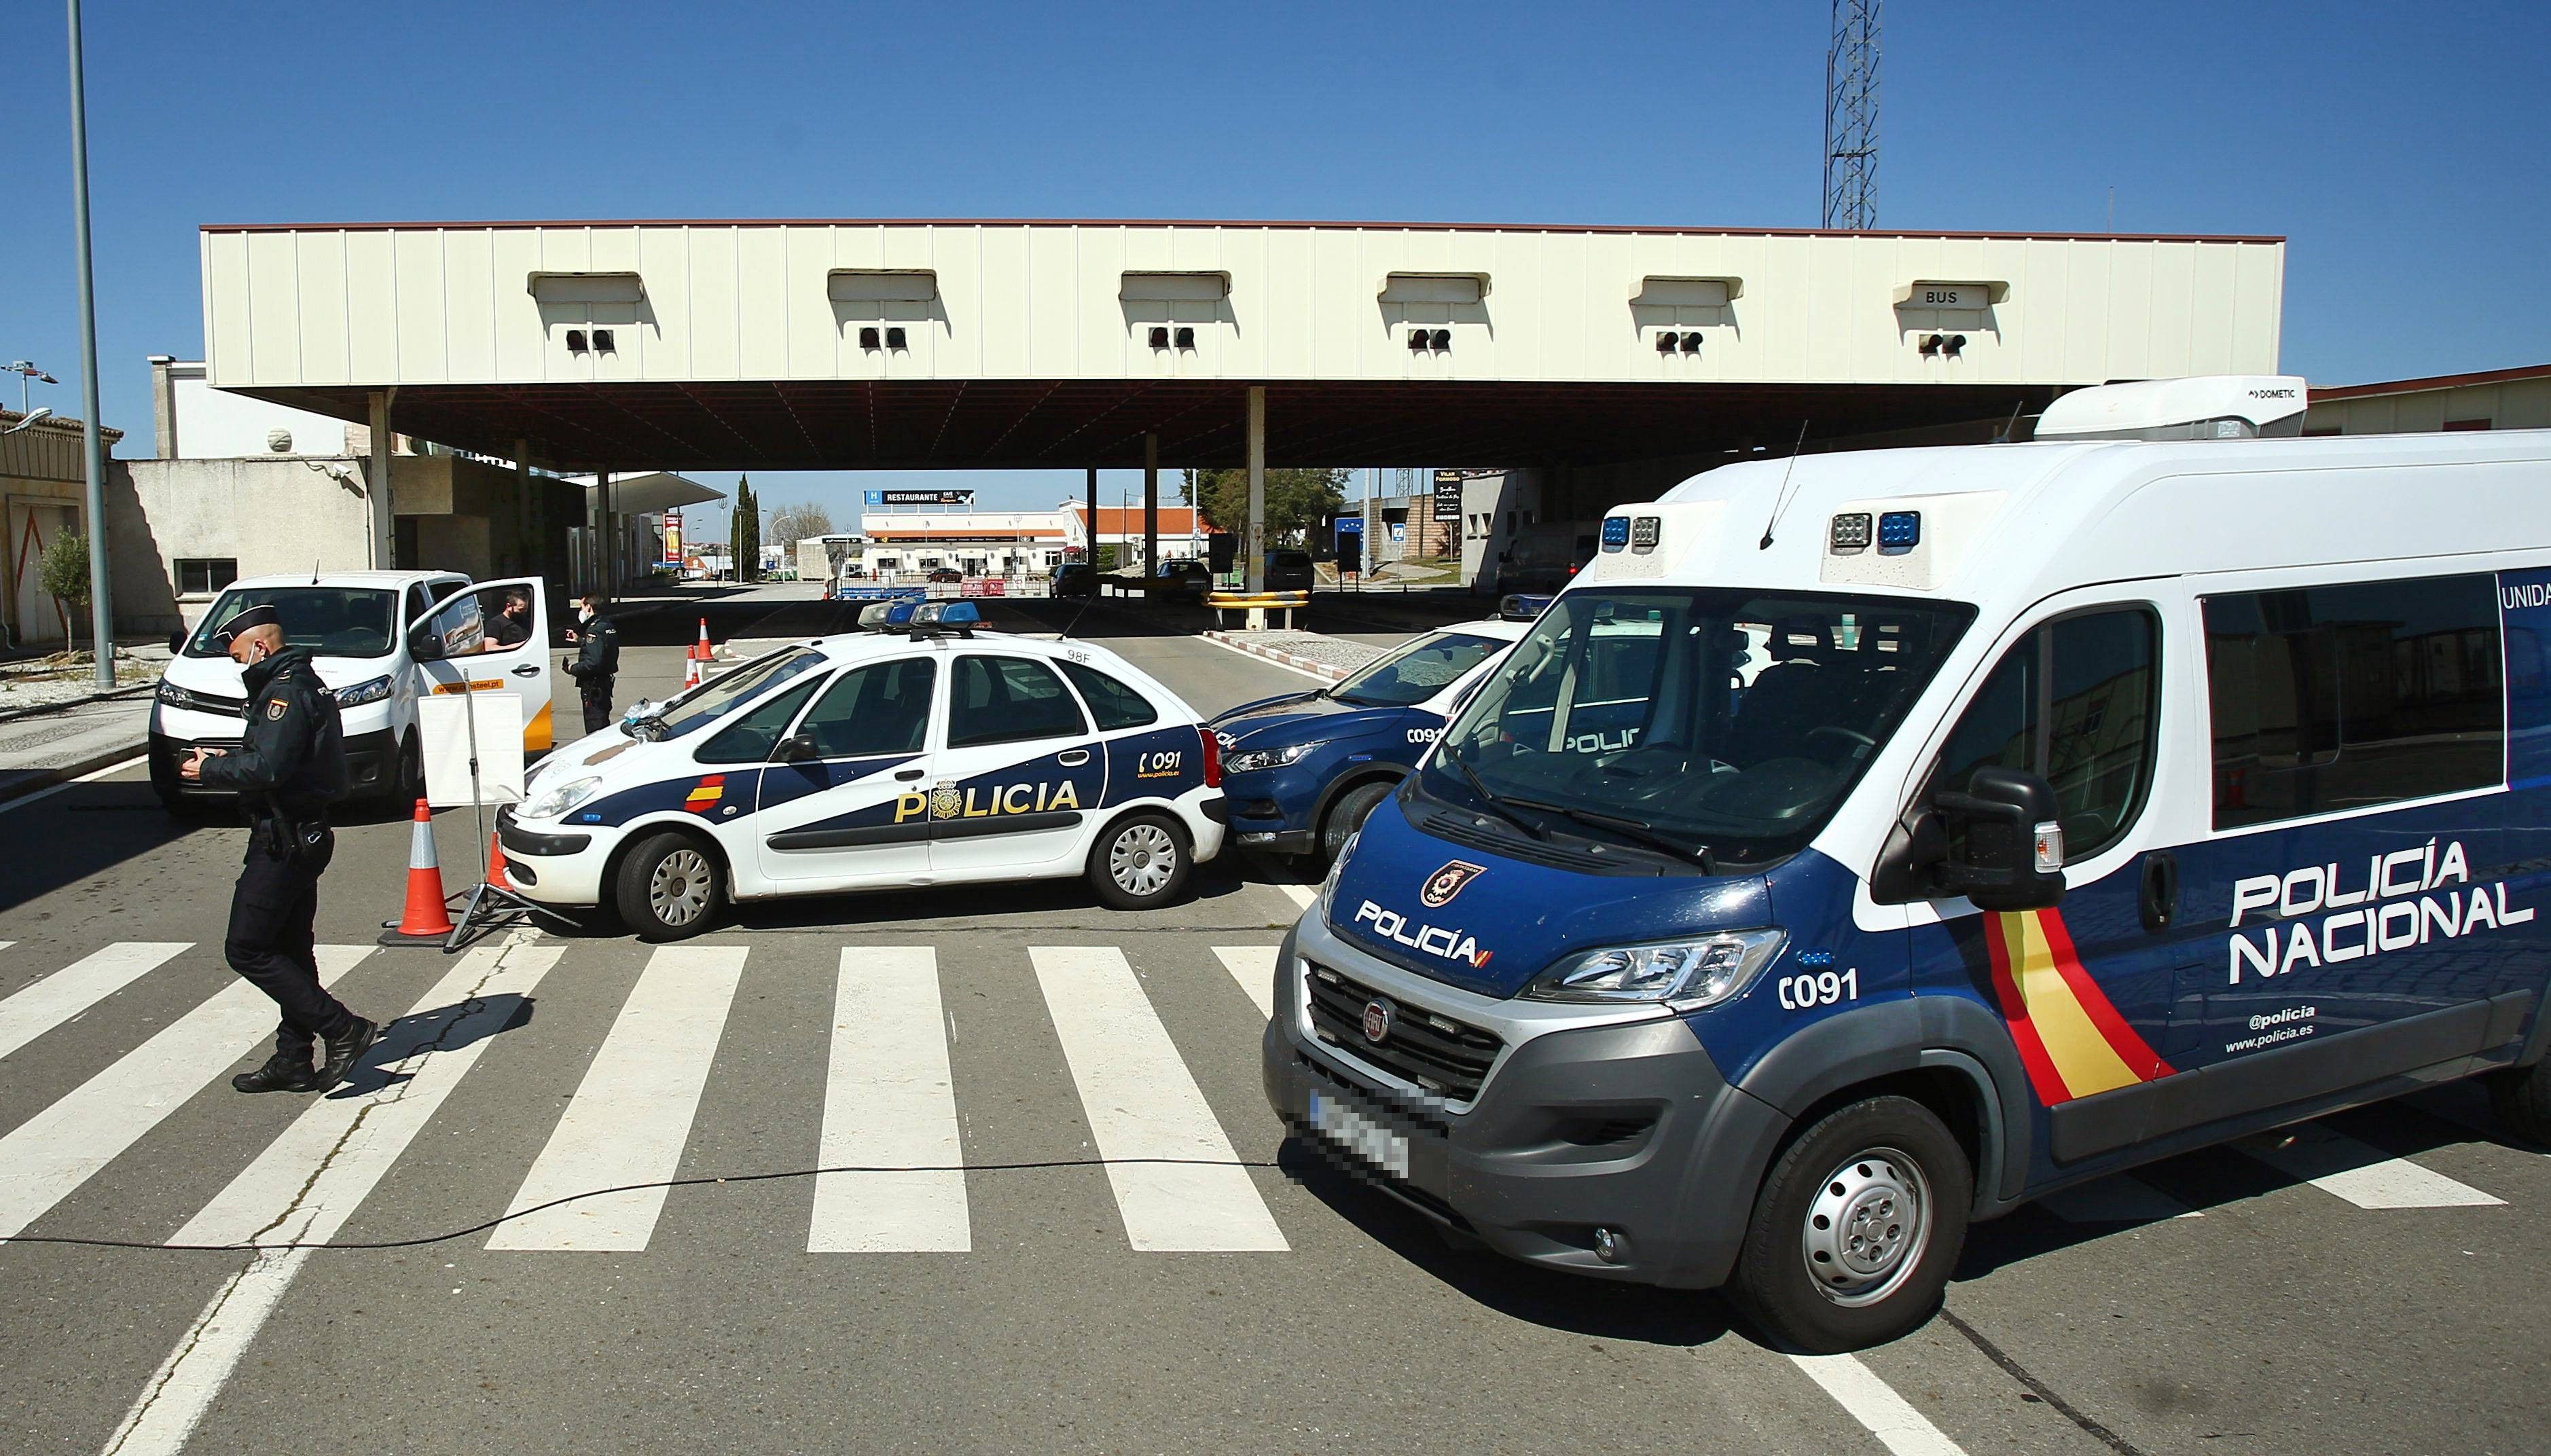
<point x="629" y="1120"/>
<point x="2339" y="1165"/>
<point x="47" y="1004"/>
<point x="1141" y="1104"/>
<point x="889" y="1101"/>
<point x="61" y="1147"/>
<point x="1253" y="967"/>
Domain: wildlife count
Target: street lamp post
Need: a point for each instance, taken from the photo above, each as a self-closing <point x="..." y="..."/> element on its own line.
<point x="101" y="608"/>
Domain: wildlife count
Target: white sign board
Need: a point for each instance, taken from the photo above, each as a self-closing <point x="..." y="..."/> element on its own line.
<point x="445" y="723"/>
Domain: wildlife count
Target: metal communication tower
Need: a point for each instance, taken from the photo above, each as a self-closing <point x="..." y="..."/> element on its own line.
<point x="1850" y="116"/>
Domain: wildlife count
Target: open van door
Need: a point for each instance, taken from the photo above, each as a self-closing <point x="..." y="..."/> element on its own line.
<point x="466" y="628"/>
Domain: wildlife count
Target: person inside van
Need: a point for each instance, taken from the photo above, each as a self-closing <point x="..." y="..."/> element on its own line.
<point x="511" y="627"/>
<point x="1797" y="693"/>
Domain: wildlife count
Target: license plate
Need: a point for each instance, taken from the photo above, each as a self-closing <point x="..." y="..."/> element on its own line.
<point x="1361" y="1135"/>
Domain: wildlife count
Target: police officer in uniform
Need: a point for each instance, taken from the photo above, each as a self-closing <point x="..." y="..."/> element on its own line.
<point x="290" y="765"/>
<point x="596" y="663"/>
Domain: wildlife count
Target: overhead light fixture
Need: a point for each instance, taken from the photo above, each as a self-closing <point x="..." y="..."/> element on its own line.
<point x="1160" y="337"/>
<point x="1443" y="339"/>
<point x="894" y="338"/>
<point x="1417" y="341"/>
<point x="1186" y="338"/>
<point x="575" y="340"/>
<point x="1692" y="342"/>
<point x="1930" y="345"/>
<point x="603" y="341"/>
<point x="867" y="338"/>
<point x="1666" y="342"/>
<point x="1954" y="345"/>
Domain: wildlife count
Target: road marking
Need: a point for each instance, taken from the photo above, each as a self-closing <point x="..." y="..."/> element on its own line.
<point x="1874" y="1402"/>
<point x="1141" y="1104"/>
<point x="64" y="1146"/>
<point x="1253" y="967"/>
<point x="889" y="1099"/>
<point x="45" y="1004"/>
<point x="2338" y="1163"/>
<point x="310" y="1180"/>
<point x="630" y="1118"/>
<point x="1300" y="895"/>
<point x="2116" y="1200"/>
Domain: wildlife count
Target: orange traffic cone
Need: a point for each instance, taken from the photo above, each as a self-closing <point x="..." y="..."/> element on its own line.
<point x="691" y="674"/>
<point x="427" y="920"/>
<point x="497" y="862"/>
<point x="702" y="650"/>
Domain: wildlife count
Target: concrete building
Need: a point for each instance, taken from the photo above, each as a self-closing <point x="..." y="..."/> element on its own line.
<point x="44" y="493"/>
<point x="2494" y="399"/>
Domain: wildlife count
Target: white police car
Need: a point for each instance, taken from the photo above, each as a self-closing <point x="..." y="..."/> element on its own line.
<point x="925" y="754"/>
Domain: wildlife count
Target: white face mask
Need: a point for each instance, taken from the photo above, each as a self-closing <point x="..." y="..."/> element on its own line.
<point x="584" y="614"/>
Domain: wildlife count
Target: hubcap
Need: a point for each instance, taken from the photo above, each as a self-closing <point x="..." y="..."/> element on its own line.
<point x="1140" y="858"/>
<point x="679" y="891"/>
<point x="1866" y="1226"/>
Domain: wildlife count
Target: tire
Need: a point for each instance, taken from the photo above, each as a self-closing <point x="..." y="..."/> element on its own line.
<point x="668" y="887"/>
<point x="401" y="798"/>
<point x="1345" y="816"/>
<point x="1884" y="1169"/>
<point x="1140" y="862"/>
<point x="2522" y="1097"/>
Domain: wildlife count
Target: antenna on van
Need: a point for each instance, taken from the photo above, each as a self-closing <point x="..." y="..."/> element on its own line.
<point x="1782" y="501"/>
<point x="2008" y="425"/>
<point x="314" y="571"/>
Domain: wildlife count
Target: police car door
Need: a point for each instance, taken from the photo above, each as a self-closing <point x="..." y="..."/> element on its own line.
<point x="846" y="795"/>
<point x="1019" y="775"/>
<point x="521" y="672"/>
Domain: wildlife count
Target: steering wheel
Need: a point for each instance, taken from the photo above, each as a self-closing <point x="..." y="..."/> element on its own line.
<point x="1853" y="735"/>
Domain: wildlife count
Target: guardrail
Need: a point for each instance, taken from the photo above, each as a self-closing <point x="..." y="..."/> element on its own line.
<point x="1257" y="604"/>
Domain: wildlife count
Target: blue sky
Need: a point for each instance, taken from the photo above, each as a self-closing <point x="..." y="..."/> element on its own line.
<point x="2389" y="143"/>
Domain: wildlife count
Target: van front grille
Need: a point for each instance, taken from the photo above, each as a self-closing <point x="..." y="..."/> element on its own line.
<point x="1446" y="1057"/>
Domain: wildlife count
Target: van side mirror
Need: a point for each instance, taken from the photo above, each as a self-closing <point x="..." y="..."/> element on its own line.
<point x="2012" y="856"/>
<point x="797" y="748"/>
<point x="424" y="644"/>
<point x="177" y="640"/>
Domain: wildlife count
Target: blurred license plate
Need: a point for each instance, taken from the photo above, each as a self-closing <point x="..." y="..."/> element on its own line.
<point x="1361" y="1135"/>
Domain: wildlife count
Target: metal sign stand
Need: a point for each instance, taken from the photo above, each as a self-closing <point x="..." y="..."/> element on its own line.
<point x="490" y="907"/>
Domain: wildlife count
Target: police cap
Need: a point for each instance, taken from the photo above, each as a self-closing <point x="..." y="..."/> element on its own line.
<point x="240" y="621"/>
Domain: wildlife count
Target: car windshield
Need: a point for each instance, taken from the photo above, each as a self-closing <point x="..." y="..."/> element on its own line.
<point x="1716" y="724"/>
<point x="707" y="704"/>
<point x="331" y="621"/>
<point x="1415" y="671"/>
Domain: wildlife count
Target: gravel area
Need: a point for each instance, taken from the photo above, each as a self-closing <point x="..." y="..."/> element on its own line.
<point x="34" y="682"/>
<point x="1337" y="651"/>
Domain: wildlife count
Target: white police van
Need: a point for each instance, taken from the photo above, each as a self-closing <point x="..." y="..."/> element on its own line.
<point x="1982" y="821"/>
<point x="932" y="753"/>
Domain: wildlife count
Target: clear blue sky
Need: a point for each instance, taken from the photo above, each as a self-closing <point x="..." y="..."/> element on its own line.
<point x="2389" y="143"/>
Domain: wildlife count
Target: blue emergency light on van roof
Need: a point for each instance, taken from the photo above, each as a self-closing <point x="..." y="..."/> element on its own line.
<point x="1616" y="532"/>
<point x="951" y="615"/>
<point x="1900" y="530"/>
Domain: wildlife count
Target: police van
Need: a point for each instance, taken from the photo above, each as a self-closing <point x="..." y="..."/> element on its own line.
<point x="1990" y="819"/>
<point x="927" y="754"/>
<point x="1303" y="770"/>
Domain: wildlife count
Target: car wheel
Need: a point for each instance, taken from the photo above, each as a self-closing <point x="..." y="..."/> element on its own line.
<point x="1856" y="1228"/>
<point x="2522" y="1097"/>
<point x="410" y="784"/>
<point x="668" y="888"/>
<point x="1140" y="862"/>
<point x="1345" y="816"/>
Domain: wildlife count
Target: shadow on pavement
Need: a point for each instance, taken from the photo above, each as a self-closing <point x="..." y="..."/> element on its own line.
<point x="979" y="902"/>
<point x="78" y="833"/>
<point x="464" y="1023"/>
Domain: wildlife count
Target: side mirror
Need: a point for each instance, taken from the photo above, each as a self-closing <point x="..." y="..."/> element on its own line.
<point x="2012" y="856"/>
<point x="797" y="748"/>
<point x="177" y="640"/>
<point x="424" y="644"/>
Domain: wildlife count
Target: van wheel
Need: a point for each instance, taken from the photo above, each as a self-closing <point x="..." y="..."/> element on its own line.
<point x="1140" y="862"/>
<point x="408" y="786"/>
<point x="2522" y="1097"/>
<point x="668" y="888"/>
<point x="1345" y="816"/>
<point x="1855" y="1229"/>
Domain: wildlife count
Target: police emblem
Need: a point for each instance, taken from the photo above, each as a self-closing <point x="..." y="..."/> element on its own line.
<point x="274" y="709"/>
<point x="945" y="802"/>
<point x="1447" y="883"/>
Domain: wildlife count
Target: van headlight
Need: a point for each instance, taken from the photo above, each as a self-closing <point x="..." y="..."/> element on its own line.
<point x="1253" y="759"/>
<point x="1685" y="974"/>
<point x="364" y="692"/>
<point x="566" y="796"/>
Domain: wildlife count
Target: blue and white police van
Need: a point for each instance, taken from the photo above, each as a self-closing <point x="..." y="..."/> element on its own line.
<point x="928" y="754"/>
<point x="1953" y="825"/>
<point x="1304" y="768"/>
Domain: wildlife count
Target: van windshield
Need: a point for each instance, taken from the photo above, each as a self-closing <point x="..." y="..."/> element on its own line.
<point x="723" y="696"/>
<point x="331" y="621"/>
<point x="1691" y="719"/>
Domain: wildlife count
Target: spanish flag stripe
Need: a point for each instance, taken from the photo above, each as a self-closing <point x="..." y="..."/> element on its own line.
<point x="2049" y="1083"/>
<point x="2121" y="1036"/>
<point x="2089" y="1062"/>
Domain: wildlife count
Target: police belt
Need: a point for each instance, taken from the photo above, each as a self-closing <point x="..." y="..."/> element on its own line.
<point x="284" y="835"/>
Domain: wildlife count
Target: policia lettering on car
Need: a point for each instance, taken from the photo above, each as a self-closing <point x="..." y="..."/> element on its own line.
<point x="946" y="801"/>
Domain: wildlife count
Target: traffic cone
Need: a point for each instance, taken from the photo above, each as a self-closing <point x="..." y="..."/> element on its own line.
<point x="691" y="674"/>
<point x="704" y="650"/>
<point x="497" y="862"/>
<point x="427" y="920"/>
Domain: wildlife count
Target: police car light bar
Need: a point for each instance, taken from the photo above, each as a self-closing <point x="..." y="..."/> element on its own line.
<point x="1523" y="606"/>
<point x="934" y="617"/>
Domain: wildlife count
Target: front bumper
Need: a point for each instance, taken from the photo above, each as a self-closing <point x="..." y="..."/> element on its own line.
<point x="1624" y="1125"/>
<point x="1259" y="817"/>
<point x="557" y="864"/>
<point x="371" y="762"/>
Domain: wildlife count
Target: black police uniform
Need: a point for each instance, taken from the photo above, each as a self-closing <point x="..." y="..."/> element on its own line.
<point x="292" y="763"/>
<point x="598" y="663"/>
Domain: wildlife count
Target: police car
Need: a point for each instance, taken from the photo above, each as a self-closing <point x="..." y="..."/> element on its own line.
<point x="1304" y="769"/>
<point x="1870" y="843"/>
<point x="925" y="754"/>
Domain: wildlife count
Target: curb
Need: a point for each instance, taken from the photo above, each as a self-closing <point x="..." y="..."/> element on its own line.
<point x="42" y="779"/>
<point x="1296" y="661"/>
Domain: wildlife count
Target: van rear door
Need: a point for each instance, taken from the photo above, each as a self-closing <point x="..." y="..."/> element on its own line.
<point x="464" y="619"/>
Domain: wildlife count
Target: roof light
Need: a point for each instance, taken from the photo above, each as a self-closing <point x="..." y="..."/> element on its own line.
<point x="1616" y="532"/>
<point x="1900" y="530"/>
<point x="1850" y="533"/>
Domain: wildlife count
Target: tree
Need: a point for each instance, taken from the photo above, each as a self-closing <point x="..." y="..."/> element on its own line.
<point x="64" y="572"/>
<point x="744" y="534"/>
<point x="1296" y="499"/>
<point x="791" y="524"/>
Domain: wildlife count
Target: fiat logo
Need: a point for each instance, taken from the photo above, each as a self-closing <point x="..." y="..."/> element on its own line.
<point x="1378" y="1016"/>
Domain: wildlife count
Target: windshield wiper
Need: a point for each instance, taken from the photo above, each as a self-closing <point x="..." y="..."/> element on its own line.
<point x="1490" y="801"/>
<point x="1637" y="829"/>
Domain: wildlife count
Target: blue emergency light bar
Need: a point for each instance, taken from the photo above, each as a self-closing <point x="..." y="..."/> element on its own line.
<point x="959" y="618"/>
<point x="1900" y="530"/>
<point x="1522" y="606"/>
<point x="1616" y="532"/>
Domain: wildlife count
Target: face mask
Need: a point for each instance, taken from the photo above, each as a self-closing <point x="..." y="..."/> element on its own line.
<point x="585" y="615"/>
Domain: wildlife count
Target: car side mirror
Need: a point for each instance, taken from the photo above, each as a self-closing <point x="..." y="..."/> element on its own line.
<point x="424" y="644"/>
<point x="797" y="748"/>
<point x="177" y="640"/>
<point x="2012" y="852"/>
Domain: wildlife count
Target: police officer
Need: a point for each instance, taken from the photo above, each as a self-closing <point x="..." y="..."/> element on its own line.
<point x="598" y="663"/>
<point x="290" y="765"/>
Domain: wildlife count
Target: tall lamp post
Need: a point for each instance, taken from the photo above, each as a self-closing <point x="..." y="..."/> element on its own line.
<point x="101" y="608"/>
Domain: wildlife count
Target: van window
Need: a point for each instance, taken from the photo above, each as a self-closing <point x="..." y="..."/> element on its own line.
<point x="2074" y="702"/>
<point x="882" y="708"/>
<point x="1008" y="701"/>
<point x="2325" y="698"/>
<point x="751" y="737"/>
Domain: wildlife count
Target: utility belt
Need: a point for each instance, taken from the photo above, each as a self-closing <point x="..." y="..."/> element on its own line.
<point x="305" y="838"/>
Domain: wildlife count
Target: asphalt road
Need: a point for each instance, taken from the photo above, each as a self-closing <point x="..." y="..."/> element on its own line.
<point x="1038" y="1302"/>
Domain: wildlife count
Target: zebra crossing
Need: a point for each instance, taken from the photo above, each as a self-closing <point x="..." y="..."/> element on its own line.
<point x="889" y="1124"/>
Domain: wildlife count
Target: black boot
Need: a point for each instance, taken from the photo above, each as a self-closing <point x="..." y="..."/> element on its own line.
<point x="344" y="1051"/>
<point x="282" y="1071"/>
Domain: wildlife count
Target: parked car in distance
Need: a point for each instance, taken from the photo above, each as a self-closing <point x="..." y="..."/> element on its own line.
<point x="1075" y="578"/>
<point x="1192" y="575"/>
<point x="946" y="574"/>
<point x="1289" y="571"/>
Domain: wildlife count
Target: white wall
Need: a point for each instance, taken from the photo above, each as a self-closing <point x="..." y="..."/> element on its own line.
<point x="231" y="508"/>
<point x="215" y="425"/>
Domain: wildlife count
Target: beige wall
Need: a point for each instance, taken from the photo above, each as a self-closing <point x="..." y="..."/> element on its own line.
<point x="425" y="305"/>
<point x="2515" y="404"/>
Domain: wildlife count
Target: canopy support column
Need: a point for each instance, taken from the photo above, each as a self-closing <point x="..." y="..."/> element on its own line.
<point x="1150" y="503"/>
<point x="1256" y="544"/>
